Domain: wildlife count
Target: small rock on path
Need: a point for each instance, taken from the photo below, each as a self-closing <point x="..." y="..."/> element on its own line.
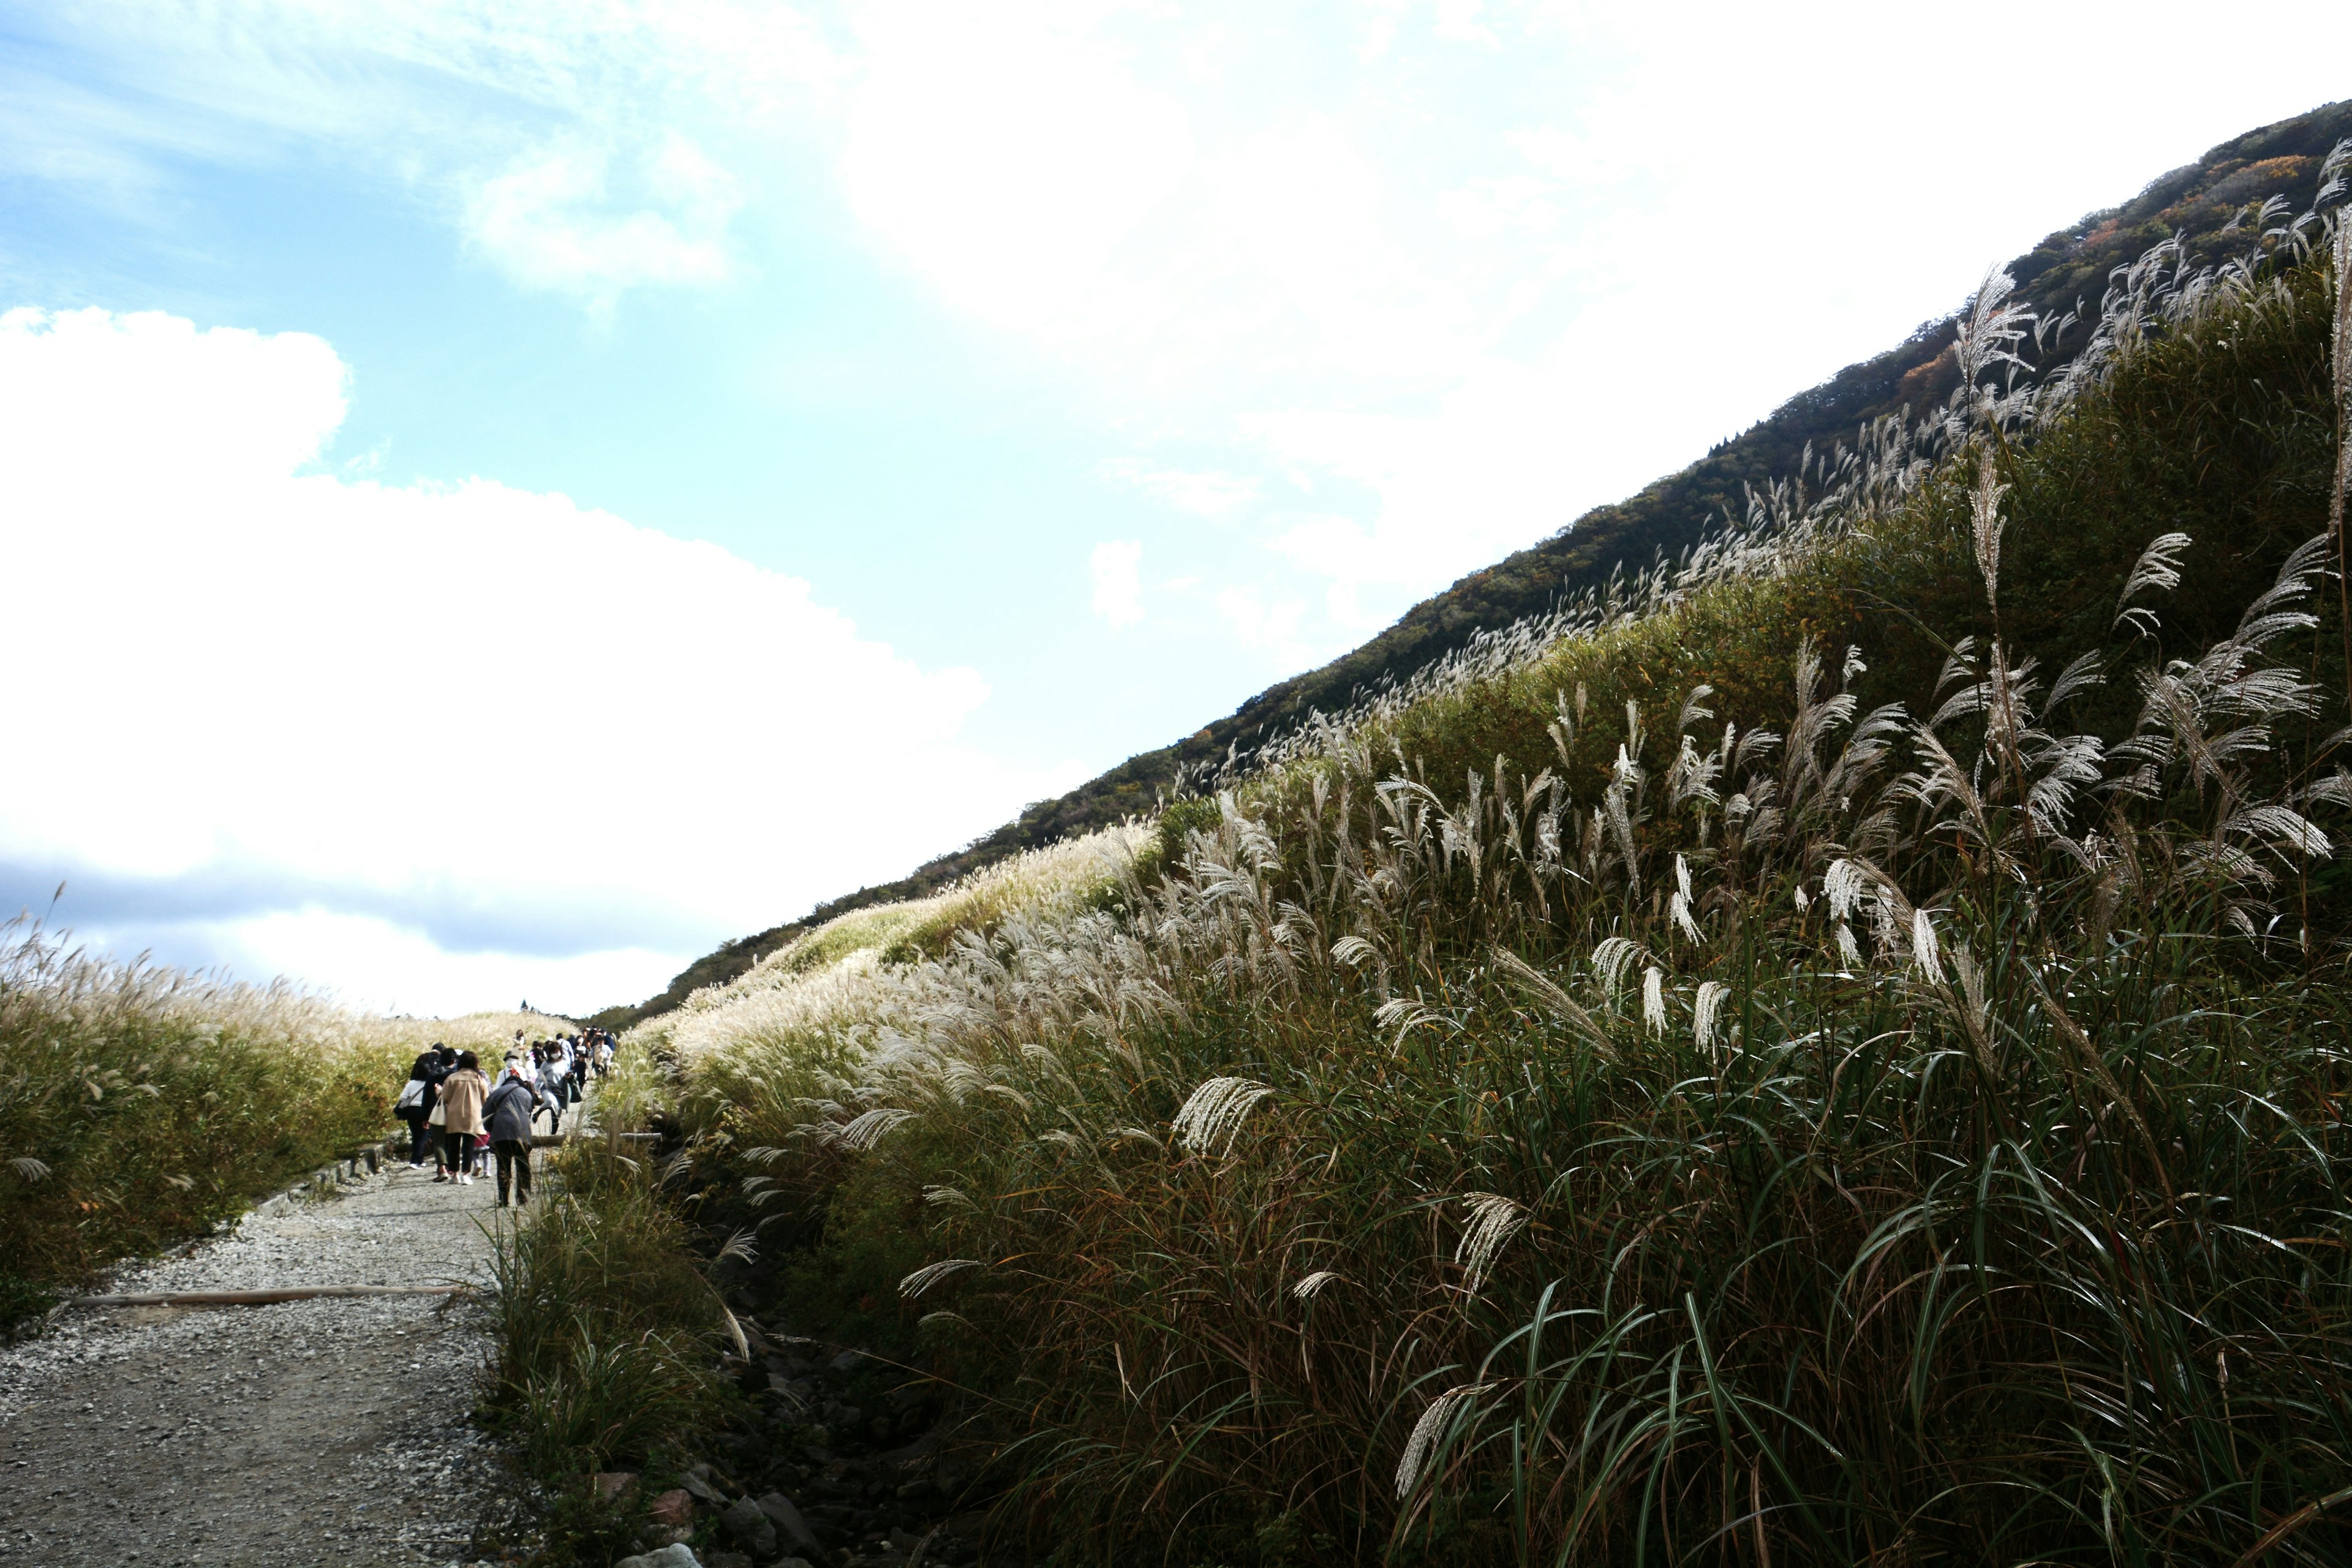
<point x="319" y="1432"/>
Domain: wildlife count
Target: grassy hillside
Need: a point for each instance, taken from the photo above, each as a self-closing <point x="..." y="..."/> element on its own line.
<point x="1836" y="1058"/>
<point x="2068" y="269"/>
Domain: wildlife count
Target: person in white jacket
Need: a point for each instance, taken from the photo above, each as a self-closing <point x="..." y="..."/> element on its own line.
<point x="551" y="1086"/>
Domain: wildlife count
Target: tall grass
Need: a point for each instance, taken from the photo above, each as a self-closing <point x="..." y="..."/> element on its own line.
<point x="1842" y="1060"/>
<point x="607" y="1333"/>
<point x="140" y="1104"/>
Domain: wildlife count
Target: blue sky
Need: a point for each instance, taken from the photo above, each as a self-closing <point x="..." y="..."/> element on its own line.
<point x="510" y="495"/>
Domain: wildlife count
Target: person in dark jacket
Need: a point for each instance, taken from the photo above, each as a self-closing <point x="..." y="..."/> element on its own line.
<point x="415" y="1106"/>
<point x="508" y="1111"/>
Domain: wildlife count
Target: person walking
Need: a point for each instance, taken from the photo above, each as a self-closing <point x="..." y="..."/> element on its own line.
<point x="510" y="1108"/>
<point x="461" y="1108"/>
<point x="414" y="1105"/>
<point x="552" y="1085"/>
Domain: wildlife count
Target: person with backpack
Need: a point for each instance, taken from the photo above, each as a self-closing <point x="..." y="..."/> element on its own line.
<point x="414" y="1105"/>
<point x="510" y="1108"/>
<point x="462" y="1093"/>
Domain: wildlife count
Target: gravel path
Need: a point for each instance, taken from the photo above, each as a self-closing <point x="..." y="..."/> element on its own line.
<point x="322" y="1432"/>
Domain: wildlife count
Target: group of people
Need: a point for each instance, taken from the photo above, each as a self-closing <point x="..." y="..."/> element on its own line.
<point x="467" y="1120"/>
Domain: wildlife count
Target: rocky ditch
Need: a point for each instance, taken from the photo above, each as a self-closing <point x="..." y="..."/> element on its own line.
<point x="842" y="1461"/>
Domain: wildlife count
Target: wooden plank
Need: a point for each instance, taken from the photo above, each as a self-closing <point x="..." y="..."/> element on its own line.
<point x="257" y="1298"/>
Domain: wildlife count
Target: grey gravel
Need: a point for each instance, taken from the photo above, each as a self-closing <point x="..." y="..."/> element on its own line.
<point x="322" y="1432"/>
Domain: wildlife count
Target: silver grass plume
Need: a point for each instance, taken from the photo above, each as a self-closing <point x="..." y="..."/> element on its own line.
<point x="1842" y="884"/>
<point x="2158" y="567"/>
<point x="1312" y="1285"/>
<point x="1985" y="526"/>
<point x="1711" y="995"/>
<point x="870" y="1127"/>
<point x="930" y="1274"/>
<point x="1612" y="959"/>
<point x="1653" y="999"/>
<point x="2340" y="367"/>
<point x="1429" y="1431"/>
<point x="1923" y="947"/>
<point x="1212" y="1117"/>
<point x="1494" y="1220"/>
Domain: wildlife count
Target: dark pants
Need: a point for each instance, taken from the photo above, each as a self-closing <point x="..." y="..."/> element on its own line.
<point x="514" y="1161"/>
<point x="454" y="1147"/>
<point x="418" y="1132"/>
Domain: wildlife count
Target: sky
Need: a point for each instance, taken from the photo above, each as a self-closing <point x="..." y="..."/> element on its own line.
<point x="501" y="496"/>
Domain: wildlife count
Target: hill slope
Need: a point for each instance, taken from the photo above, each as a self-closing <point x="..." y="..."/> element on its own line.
<point x="2201" y="202"/>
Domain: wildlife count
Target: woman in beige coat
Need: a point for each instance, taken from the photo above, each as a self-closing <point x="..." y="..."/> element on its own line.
<point x="461" y="1103"/>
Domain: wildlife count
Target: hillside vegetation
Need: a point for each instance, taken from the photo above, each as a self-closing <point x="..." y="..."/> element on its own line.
<point x="141" y="1104"/>
<point x="2201" y="210"/>
<point x="1832" y="1052"/>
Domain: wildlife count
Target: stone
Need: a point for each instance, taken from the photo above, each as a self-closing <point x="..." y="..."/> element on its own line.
<point x="847" y="1361"/>
<point x="613" y="1483"/>
<point x="676" y="1555"/>
<point x="698" y="1481"/>
<point x="795" y="1530"/>
<point x="726" y="1560"/>
<point x="748" y="1526"/>
<point x="793" y="1562"/>
<point x="674" y="1508"/>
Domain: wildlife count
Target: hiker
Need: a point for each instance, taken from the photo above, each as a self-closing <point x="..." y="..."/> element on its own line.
<point x="552" y="1085"/>
<point x="414" y="1105"/>
<point x="461" y="1110"/>
<point x="511" y="1107"/>
<point x="578" y="1070"/>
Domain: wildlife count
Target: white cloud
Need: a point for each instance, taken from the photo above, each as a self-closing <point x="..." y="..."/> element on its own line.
<point x="458" y="693"/>
<point x="585" y="150"/>
<point x="1119" y="585"/>
<point x="1209" y="494"/>
<point x="376" y="964"/>
<point x="1007" y="154"/>
<point x="1268" y="626"/>
<point x="552" y="220"/>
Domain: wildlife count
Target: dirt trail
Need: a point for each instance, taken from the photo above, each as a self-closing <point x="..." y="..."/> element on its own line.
<point x="319" y="1432"/>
